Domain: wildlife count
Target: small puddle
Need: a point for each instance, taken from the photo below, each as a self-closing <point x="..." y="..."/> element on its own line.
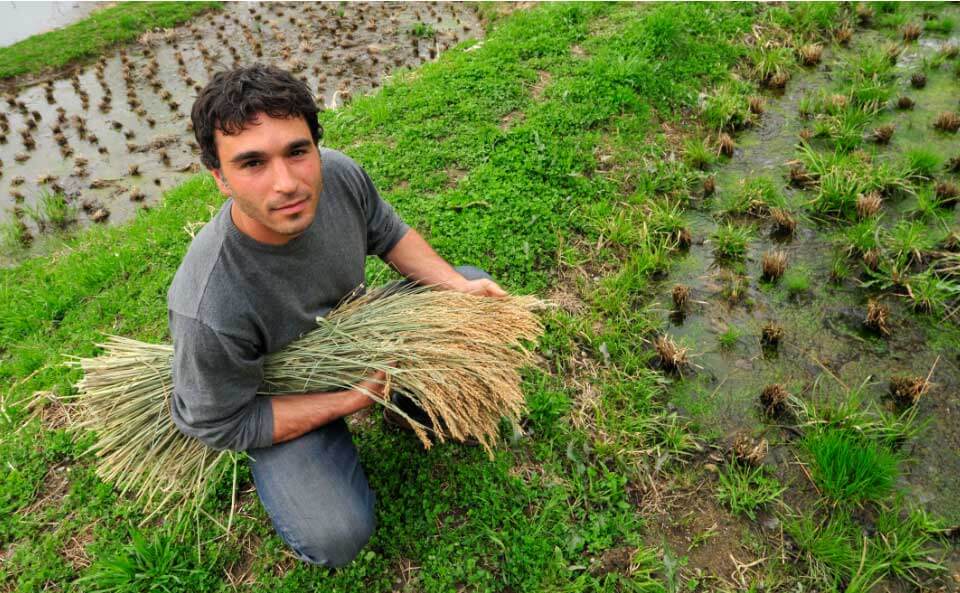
<point x="112" y="157"/>
<point x="825" y="337"/>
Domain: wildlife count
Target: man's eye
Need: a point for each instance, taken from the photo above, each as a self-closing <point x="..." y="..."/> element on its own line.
<point x="248" y="164"/>
<point x="298" y="152"/>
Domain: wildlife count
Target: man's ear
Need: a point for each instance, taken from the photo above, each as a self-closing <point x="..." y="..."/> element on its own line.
<point x="221" y="181"/>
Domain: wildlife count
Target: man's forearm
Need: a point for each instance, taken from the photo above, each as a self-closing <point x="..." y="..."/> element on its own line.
<point x="295" y="415"/>
<point x="413" y="257"/>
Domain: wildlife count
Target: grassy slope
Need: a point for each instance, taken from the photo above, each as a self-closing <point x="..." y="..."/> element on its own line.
<point x="535" y="517"/>
<point x="91" y="36"/>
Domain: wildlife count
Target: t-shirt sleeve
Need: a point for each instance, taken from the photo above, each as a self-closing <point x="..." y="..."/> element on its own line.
<point x="385" y="228"/>
<point x="215" y="383"/>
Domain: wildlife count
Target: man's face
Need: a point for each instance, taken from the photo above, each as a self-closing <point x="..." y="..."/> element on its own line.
<point x="273" y="172"/>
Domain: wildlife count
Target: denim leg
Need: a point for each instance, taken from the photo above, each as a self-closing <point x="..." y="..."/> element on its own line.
<point x="472" y="273"/>
<point x="317" y="495"/>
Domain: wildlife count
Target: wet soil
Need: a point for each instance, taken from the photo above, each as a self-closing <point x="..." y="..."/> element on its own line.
<point x="826" y="346"/>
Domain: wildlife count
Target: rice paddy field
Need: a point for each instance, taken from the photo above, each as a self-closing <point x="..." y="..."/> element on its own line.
<point x="745" y="213"/>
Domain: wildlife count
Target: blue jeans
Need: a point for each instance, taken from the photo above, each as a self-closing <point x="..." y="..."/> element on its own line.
<point x="315" y="491"/>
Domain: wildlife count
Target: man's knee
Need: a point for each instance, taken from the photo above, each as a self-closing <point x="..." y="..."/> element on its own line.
<point x="472" y="273"/>
<point x="335" y="546"/>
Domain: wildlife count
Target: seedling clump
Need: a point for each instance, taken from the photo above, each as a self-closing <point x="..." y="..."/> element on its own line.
<point x="774" y="399"/>
<point x="907" y="390"/>
<point x="878" y="316"/>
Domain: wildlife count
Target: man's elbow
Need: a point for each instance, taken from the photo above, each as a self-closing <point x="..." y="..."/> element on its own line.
<point x="230" y="434"/>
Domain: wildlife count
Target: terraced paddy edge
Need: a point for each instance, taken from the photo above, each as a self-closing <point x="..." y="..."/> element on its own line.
<point x="609" y="488"/>
<point x="121" y="126"/>
<point x="108" y="26"/>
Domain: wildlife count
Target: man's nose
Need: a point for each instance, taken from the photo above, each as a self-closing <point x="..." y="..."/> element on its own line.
<point x="283" y="179"/>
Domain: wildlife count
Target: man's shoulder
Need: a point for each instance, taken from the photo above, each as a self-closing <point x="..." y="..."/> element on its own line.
<point x="193" y="275"/>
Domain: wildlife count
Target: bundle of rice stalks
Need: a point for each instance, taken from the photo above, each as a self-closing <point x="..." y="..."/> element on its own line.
<point x="457" y="356"/>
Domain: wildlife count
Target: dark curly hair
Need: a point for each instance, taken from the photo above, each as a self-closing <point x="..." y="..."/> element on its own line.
<point x="233" y="97"/>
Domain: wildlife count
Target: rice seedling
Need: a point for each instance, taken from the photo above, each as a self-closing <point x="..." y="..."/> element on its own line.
<point x="796" y="280"/>
<point x="947" y="192"/>
<point x="729" y="338"/>
<point x="932" y="294"/>
<point x="869" y="204"/>
<point x="757" y="105"/>
<point x="699" y="154"/>
<point x="905" y="103"/>
<point x="671" y="356"/>
<point x="774" y="265"/>
<point x="911" y="32"/>
<point x="785" y="224"/>
<point x="52" y="211"/>
<point x="727" y="110"/>
<point x="882" y="134"/>
<point x="864" y="13"/>
<point x="681" y="295"/>
<point x="906" y="390"/>
<point x="903" y="546"/>
<point x="877" y="318"/>
<point x="466" y="386"/>
<point x="14" y="235"/>
<point x="843" y="34"/>
<point x="799" y="176"/>
<point x="755" y="196"/>
<point x="725" y="145"/>
<point x="918" y="80"/>
<point x="942" y="25"/>
<point x="949" y="51"/>
<point x="947" y="121"/>
<point x="730" y="241"/>
<point x="810" y="54"/>
<point x="771" y="334"/>
<point x="920" y="163"/>
<point x="839" y="268"/>
<point x="831" y="544"/>
<point x="747" y="450"/>
<point x="909" y="241"/>
<point x="953" y="164"/>
<point x="746" y="490"/>
<point x="775" y="400"/>
<point x="849" y="467"/>
<point x="734" y="286"/>
<point x="928" y="207"/>
<point x="770" y="65"/>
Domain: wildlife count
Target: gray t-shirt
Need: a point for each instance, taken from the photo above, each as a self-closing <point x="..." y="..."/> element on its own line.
<point x="234" y="300"/>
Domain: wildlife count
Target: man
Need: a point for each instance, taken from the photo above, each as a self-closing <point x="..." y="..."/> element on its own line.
<point x="287" y="245"/>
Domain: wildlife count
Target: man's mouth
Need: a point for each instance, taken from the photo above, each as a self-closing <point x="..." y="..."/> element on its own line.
<point x="292" y="207"/>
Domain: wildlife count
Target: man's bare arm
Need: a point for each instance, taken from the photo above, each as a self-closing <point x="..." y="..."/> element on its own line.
<point x="298" y="414"/>
<point x="413" y="257"/>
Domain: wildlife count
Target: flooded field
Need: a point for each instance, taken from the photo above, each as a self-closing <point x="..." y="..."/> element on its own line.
<point x="100" y="141"/>
<point x="825" y="352"/>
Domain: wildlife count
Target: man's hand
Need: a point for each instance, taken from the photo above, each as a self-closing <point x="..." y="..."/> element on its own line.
<point x="480" y="287"/>
<point x="376" y="385"/>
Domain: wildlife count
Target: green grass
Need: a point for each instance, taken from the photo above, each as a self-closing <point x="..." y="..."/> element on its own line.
<point x="423" y="30"/>
<point x="755" y="195"/>
<point x="728" y="109"/>
<point x="796" y="280"/>
<point x="730" y="241"/>
<point x="745" y="490"/>
<point x="850" y="468"/>
<point x="91" y="36"/>
<point x="922" y="163"/>
<point x="547" y="501"/>
<point x="729" y="338"/>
